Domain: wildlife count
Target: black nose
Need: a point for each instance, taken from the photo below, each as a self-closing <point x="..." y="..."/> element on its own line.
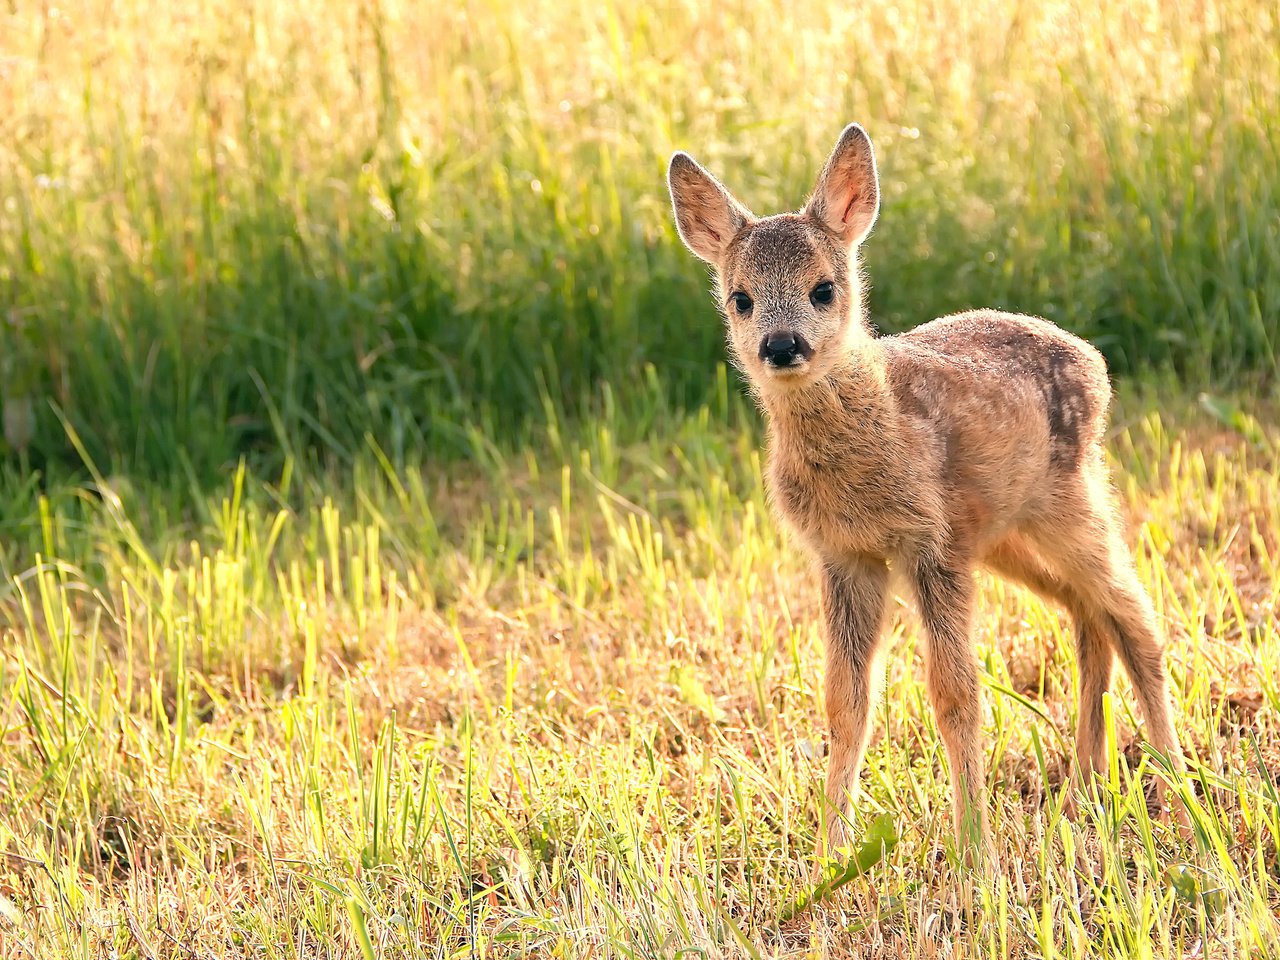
<point x="781" y="349"/>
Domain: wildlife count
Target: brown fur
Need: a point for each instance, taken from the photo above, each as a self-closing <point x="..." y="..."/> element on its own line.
<point x="972" y="440"/>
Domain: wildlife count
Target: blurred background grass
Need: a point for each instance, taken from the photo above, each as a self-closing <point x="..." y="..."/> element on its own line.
<point x="236" y="228"/>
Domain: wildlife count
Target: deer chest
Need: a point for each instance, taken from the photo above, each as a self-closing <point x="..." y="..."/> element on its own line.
<point x="837" y="508"/>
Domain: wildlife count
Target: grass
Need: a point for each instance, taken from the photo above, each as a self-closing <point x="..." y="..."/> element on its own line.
<point x="569" y="705"/>
<point x="384" y="564"/>
<point x="252" y="228"/>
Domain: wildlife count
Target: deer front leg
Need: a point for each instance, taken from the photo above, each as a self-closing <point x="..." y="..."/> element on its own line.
<point x="853" y="605"/>
<point x="944" y="589"/>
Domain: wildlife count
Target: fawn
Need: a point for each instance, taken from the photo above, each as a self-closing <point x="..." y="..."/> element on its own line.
<point x="975" y="439"/>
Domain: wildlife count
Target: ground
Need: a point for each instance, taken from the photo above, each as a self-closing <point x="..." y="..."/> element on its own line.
<point x="568" y="704"/>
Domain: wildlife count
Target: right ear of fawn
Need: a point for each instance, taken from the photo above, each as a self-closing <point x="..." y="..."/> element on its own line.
<point x="973" y="440"/>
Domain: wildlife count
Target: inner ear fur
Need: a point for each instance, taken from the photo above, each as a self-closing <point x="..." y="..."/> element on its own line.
<point x="707" y="215"/>
<point x="846" y="199"/>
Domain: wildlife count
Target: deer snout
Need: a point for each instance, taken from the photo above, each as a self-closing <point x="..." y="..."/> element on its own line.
<point x="782" y="348"/>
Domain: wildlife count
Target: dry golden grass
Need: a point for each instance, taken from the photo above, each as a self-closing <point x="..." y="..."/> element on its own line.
<point x="594" y="728"/>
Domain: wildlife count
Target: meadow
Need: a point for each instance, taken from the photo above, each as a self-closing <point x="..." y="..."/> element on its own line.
<point x="385" y="569"/>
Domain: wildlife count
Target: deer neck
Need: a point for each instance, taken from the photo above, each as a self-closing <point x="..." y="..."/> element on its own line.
<point x="851" y="400"/>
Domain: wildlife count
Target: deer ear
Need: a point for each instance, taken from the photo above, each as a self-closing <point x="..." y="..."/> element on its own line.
<point x="707" y="215"/>
<point x="847" y="197"/>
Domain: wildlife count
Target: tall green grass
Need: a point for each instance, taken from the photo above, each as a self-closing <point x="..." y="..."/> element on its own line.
<point x="236" y="228"/>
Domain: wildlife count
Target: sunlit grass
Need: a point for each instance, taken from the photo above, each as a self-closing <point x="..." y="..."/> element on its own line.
<point x="545" y="712"/>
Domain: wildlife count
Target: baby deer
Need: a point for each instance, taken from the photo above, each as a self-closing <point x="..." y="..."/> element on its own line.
<point x="974" y="439"/>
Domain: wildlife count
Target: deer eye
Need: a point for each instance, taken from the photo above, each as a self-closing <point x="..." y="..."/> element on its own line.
<point x="741" y="302"/>
<point x="822" y="294"/>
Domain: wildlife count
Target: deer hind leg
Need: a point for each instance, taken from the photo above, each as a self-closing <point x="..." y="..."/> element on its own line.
<point x="1115" y="606"/>
<point x="1126" y="613"/>
<point x="944" y="590"/>
<point x="853" y="604"/>
<point x="1016" y="559"/>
